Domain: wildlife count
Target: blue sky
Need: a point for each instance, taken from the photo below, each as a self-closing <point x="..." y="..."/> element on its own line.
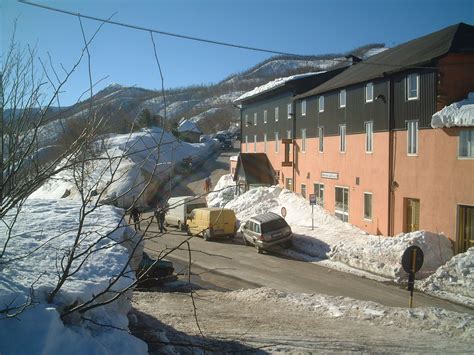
<point x="296" y="26"/>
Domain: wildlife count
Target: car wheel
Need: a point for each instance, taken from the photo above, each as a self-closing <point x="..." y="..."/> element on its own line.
<point x="259" y="249"/>
<point x="206" y="235"/>
<point x="246" y="243"/>
<point x="188" y="232"/>
<point x="180" y="226"/>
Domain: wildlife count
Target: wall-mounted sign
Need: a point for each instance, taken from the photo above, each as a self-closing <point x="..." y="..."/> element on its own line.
<point x="329" y="175"/>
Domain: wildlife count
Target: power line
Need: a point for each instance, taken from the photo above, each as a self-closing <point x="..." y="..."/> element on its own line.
<point x="209" y="41"/>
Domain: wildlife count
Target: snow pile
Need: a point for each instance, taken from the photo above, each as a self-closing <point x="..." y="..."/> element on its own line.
<point x="454" y="280"/>
<point x="43" y="234"/>
<point x="336" y="240"/>
<point x="458" y="114"/>
<point x="273" y="85"/>
<point x="419" y="319"/>
<point x="382" y="255"/>
<point x="224" y="192"/>
<point x="140" y="157"/>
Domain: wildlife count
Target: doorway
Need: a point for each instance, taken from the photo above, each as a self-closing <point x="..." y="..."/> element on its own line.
<point x="465" y="237"/>
<point x="412" y="215"/>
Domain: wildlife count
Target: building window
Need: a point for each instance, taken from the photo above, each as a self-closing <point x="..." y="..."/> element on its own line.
<point x="342" y="98"/>
<point x="264" y="142"/>
<point x="342" y="203"/>
<point x="303" y="190"/>
<point x="412" y="138"/>
<point x="289" y="184"/>
<point x="289" y="110"/>
<point x="303" y="140"/>
<point x="303" y="108"/>
<point x="246" y="144"/>
<point x="246" y="120"/>
<point x="342" y="138"/>
<point x="255" y="143"/>
<point x="369" y="137"/>
<point x="367" y="205"/>
<point x="277" y="175"/>
<point x="277" y="146"/>
<point x="412" y="87"/>
<point x="369" y="92"/>
<point x="277" y="113"/>
<point x="319" y="192"/>
<point x="288" y="135"/>
<point x="321" y="139"/>
<point x="265" y="116"/>
<point x="466" y="144"/>
<point x="321" y="104"/>
<point x="255" y="119"/>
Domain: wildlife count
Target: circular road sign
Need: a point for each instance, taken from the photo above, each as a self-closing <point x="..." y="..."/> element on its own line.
<point x="283" y="212"/>
<point x="412" y="259"/>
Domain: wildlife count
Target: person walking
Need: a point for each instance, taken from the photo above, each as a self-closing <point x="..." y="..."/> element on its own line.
<point x="160" y="214"/>
<point x="207" y="184"/>
<point x="135" y="214"/>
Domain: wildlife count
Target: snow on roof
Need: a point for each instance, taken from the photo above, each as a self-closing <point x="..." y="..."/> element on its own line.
<point x="458" y="114"/>
<point x="271" y="85"/>
<point x="189" y="126"/>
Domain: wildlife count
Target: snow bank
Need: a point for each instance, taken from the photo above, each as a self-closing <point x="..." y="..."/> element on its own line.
<point x="224" y="192"/>
<point x="147" y="155"/>
<point x="335" y="239"/>
<point x="42" y="235"/>
<point x="454" y="280"/>
<point x="419" y="319"/>
<point x="458" y="114"/>
<point x="273" y="85"/>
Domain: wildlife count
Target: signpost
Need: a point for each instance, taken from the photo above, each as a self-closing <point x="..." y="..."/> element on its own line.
<point x="283" y="212"/>
<point x="312" y="202"/>
<point x="412" y="260"/>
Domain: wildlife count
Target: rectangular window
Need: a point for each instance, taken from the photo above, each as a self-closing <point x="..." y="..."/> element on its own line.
<point x="277" y="113"/>
<point x="277" y="175"/>
<point x="466" y="144"/>
<point x="342" y="138"/>
<point x="265" y="116"/>
<point x="264" y="142"/>
<point x="246" y="144"/>
<point x="303" y="140"/>
<point x="367" y="205"/>
<point x="319" y="192"/>
<point x="369" y="137"/>
<point x="255" y="143"/>
<point x="277" y="144"/>
<point x="288" y="135"/>
<point x="321" y="139"/>
<point x="289" y="184"/>
<point x="412" y="137"/>
<point x="321" y="104"/>
<point x="303" y="108"/>
<point x="303" y="190"/>
<point x="289" y="110"/>
<point x="412" y="86"/>
<point x="246" y="120"/>
<point x="342" y="98"/>
<point x="369" y="92"/>
<point x="255" y="119"/>
<point x="342" y="203"/>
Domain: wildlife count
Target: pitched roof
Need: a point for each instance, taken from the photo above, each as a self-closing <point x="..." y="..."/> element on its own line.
<point x="457" y="38"/>
<point x="189" y="126"/>
<point x="256" y="167"/>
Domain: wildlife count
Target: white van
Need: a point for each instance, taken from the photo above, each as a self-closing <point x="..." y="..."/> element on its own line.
<point x="180" y="207"/>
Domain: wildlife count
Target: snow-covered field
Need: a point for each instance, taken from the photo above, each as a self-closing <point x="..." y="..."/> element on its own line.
<point x="345" y="247"/>
<point x="142" y="157"/>
<point x="42" y="236"/>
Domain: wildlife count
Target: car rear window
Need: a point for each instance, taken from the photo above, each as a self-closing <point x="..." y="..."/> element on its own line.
<point x="273" y="225"/>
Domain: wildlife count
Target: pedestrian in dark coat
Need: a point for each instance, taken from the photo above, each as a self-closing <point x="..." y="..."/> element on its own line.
<point x="135" y="214"/>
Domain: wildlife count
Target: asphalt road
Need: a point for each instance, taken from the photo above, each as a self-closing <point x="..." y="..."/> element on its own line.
<point x="231" y="265"/>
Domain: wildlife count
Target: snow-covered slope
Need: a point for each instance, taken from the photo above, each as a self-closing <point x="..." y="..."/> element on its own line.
<point x="44" y="232"/>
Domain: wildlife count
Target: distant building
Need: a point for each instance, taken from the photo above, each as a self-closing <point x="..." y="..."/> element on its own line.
<point x="189" y="131"/>
<point x="362" y="140"/>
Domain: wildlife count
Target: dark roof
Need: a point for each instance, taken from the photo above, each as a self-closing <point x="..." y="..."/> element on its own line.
<point x="256" y="167"/>
<point x="297" y="85"/>
<point x="421" y="51"/>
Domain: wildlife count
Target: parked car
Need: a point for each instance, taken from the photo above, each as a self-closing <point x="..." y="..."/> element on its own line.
<point x="265" y="231"/>
<point x="154" y="272"/>
<point x="212" y="222"/>
<point x="226" y="144"/>
<point x="180" y="207"/>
